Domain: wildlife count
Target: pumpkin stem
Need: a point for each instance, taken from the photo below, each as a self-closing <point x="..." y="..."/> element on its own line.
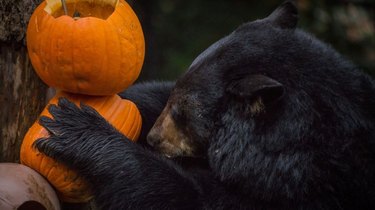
<point x="64" y="7"/>
<point x="76" y="15"/>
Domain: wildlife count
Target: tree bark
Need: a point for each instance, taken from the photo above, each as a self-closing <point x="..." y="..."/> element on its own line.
<point x="22" y="97"/>
<point x="22" y="93"/>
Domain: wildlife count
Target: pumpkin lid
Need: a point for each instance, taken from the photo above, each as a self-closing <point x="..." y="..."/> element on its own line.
<point x="84" y="8"/>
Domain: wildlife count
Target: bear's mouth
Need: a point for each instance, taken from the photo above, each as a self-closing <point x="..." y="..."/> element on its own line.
<point x="171" y="150"/>
<point x="168" y="139"/>
<point x="182" y="148"/>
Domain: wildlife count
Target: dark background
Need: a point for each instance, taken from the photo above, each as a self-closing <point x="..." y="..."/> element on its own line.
<point x="176" y="31"/>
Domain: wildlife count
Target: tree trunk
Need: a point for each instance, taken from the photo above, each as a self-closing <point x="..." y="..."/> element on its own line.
<point x="22" y="94"/>
<point x="22" y="97"/>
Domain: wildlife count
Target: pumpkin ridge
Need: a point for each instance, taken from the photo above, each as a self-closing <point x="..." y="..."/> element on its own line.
<point x="39" y="24"/>
<point x="50" y="174"/>
<point x="63" y="32"/>
<point x="121" y="49"/>
<point x="69" y="55"/>
<point x="105" y="29"/>
<point x="137" y="122"/>
<point x="121" y="39"/>
<point x="130" y="22"/>
<point x="46" y="173"/>
<point x="39" y="43"/>
<point x="125" y="122"/>
<point x="51" y="33"/>
<point x="133" y="124"/>
<point x="113" y="108"/>
<point x="94" y="46"/>
<point x="127" y="11"/>
<point x="126" y="21"/>
<point x="38" y="155"/>
<point x="139" y="127"/>
<point x="42" y="161"/>
<point x="73" y="52"/>
<point x="44" y="49"/>
<point x="105" y="56"/>
<point x="65" y="184"/>
<point x="77" y="74"/>
<point x="140" y="56"/>
<point x="98" y="105"/>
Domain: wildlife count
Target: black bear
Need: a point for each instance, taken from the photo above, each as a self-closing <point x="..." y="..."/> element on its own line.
<point x="283" y="120"/>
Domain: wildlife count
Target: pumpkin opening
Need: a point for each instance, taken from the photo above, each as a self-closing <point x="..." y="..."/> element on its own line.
<point x="82" y="8"/>
<point x="31" y="205"/>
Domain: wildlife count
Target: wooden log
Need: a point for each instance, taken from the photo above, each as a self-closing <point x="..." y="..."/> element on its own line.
<point x="21" y="91"/>
<point x="22" y="97"/>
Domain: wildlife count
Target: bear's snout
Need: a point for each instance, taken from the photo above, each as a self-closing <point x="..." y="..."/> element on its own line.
<point x="153" y="138"/>
<point x="167" y="138"/>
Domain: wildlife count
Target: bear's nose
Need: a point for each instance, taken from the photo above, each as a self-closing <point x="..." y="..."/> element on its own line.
<point x="153" y="138"/>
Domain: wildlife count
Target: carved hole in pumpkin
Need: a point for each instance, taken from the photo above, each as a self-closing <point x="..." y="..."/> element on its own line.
<point x="31" y="205"/>
<point x="83" y="8"/>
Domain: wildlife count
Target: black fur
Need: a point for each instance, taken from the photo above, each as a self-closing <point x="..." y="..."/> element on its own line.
<point x="309" y="144"/>
<point x="122" y="174"/>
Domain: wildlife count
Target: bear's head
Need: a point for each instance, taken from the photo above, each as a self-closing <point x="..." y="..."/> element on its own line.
<point x="278" y="113"/>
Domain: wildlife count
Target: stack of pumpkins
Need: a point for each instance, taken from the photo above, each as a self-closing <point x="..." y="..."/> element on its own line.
<point x="88" y="54"/>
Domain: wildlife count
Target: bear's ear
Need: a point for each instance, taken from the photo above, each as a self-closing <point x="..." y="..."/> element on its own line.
<point x="285" y="16"/>
<point x="256" y="86"/>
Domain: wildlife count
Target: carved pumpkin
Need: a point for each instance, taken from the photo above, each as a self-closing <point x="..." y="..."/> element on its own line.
<point x="122" y="114"/>
<point x="101" y="52"/>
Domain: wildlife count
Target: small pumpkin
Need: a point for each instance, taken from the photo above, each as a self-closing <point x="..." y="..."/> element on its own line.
<point x="98" y="52"/>
<point x="122" y="114"/>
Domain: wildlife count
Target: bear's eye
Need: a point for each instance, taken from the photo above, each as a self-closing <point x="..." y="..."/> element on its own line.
<point x="174" y="112"/>
<point x="178" y="115"/>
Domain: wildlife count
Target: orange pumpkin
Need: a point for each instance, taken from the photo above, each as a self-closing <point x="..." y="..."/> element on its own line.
<point x="122" y="114"/>
<point x="99" y="53"/>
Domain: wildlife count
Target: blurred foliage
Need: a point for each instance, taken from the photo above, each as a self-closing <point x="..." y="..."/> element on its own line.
<point x="176" y="31"/>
